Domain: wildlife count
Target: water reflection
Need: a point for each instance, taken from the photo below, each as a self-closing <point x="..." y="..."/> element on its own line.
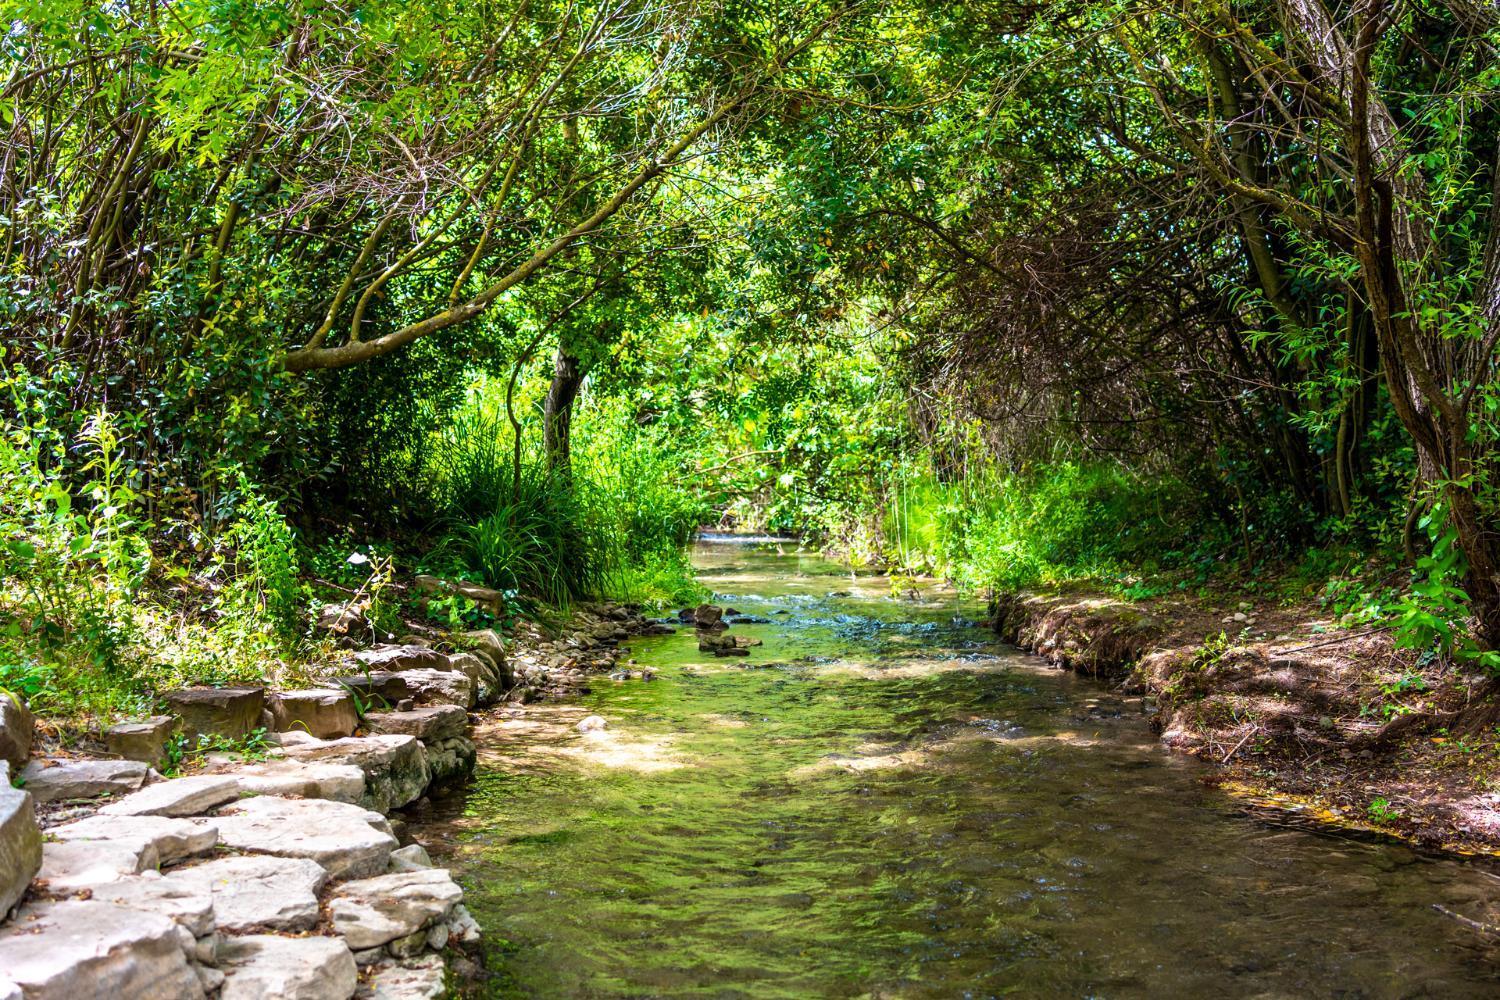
<point x="881" y="802"/>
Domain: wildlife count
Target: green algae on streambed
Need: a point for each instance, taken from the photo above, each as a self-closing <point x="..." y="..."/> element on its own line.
<point x="882" y="801"/>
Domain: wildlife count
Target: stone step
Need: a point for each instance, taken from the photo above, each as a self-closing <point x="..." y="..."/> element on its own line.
<point x="395" y="767"/>
<point x="191" y="796"/>
<point x="172" y="838"/>
<point x="348" y="840"/>
<point x="84" y="949"/>
<point x="229" y="712"/>
<point x="254" y="892"/>
<point x="322" y="712"/>
<point x="267" y="967"/>
<point x="20" y="843"/>
<point x="51" y="780"/>
<point x="301" y="779"/>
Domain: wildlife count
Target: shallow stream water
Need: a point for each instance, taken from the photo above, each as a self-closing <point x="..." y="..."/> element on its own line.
<point x="882" y="801"/>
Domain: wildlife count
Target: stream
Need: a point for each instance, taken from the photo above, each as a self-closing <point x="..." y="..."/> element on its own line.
<point x="883" y="801"/>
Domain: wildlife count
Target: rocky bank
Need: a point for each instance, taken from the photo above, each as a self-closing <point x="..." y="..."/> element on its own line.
<point x="287" y="872"/>
<point x="1298" y="714"/>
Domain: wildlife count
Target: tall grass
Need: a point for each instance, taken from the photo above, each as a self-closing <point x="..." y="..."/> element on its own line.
<point x="614" y="526"/>
<point x="1066" y="521"/>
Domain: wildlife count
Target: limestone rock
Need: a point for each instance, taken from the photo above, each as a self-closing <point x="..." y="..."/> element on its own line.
<point x="429" y="723"/>
<point x="256" y="891"/>
<point x="707" y="616"/>
<point x="20" y="843"/>
<point x="16" y="727"/>
<point x="144" y="741"/>
<point x="395" y="767"/>
<point x="476" y="670"/>
<point x="416" y="979"/>
<point x="450" y="760"/>
<point x="335" y="782"/>
<point x="322" y="712"/>
<point x="342" y="838"/>
<point x="231" y="712"/>
<point x="68" y="866"/>
<point x="439" y="687"/>
<point x="489" y="645"/>
<point x="374" y="689"/>
<point x="492" y="601"/>
<point x="190" y="905"/>
<point x="51" y="780"/>
<point x="462" y="925"/>
<point x="172" y="838"/>
<point x="399" y="658"/>
<point x="266" y="967"/>
<point x="90" y="950"/>
<point x="412" y="857"/>
<point x="376" y="911"/>
<point x="591" y="724"/>
<point x="178" y="797"/>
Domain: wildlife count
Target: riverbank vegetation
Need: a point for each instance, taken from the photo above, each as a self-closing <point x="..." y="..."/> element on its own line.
<point x="306" y="299"/>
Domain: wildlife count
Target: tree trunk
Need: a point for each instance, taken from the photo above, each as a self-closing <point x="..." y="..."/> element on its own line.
<point x="557" y="411"/>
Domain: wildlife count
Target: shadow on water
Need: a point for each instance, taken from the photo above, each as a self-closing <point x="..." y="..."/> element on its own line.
<point x="883" y="802"/>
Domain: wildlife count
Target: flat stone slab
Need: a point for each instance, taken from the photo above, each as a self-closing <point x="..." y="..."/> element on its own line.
<point x="172" y="838"/>
<point x="399" y="658"/>
<point x="412" y="857"/>
<point x="78" y="864"/>
<point x="418" y="979"/>
<point x="20" y="843"/>
<point x="322" y="712"/>
<point x="439" y="687"/>
<point x="253" y="891"/>
<point x="231" y="712"/>
<point x="429" y="723"/>
<point x="375" y="911"/>
<point x="395" y="767"/>
<point x="52" y="780"/>
<point x="342" y="838"/>
<point x="16" y="729"/>
<point x="266" y="967"/>
<point x="191" y="796"/>
<point x="301" y="779"/>
<point x="85" y="949"/>
<point x="144" y="741"/>
<point x="190" y="905"/>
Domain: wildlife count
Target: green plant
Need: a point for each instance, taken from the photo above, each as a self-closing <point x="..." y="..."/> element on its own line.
<point x="1381" y="811"/>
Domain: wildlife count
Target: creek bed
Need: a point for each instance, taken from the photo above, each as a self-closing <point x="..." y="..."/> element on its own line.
<point x="882" y="801"/>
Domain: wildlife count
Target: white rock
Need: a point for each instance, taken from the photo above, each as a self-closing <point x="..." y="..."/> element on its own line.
<point x="51" y="780"/>
<point x="335" y="782"/>
<point x="416" y="979"/>
<point x="439" y="687"/>
<point x="9" y="990"/>
<point x="88" y="950"/>
<point x="463" y="926"/>
<point x="266" y="967"/>
<point x="20" y="843"/>
<point x="395" y="767"/>
<point x="256" y="891"/>
<point x="412" y="857"/>
<point x="591" y="724"/>
<point x="173" y="838"/>
<point x="71" y="865"/>
<point x="336" y="835"/>
<point x="189" y="905"/>
<point x="178" y="797"/>
<point x="375" y="911"/>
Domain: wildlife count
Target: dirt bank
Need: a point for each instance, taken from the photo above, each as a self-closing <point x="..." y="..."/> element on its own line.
<point x="1336" y="724"/>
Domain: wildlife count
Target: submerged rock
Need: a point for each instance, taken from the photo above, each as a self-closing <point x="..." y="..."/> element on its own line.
<point x="591" y="724"/>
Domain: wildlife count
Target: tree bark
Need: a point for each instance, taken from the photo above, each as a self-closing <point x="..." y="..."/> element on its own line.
<point x="557" y="411"/>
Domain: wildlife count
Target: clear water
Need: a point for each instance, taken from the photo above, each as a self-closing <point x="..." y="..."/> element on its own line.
<point x="883" y="802"/>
